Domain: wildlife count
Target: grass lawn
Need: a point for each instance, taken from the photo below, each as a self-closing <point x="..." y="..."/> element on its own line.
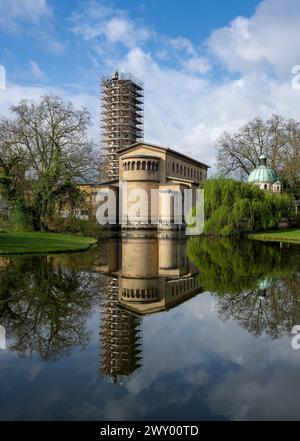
<point x="292" y="236"/>
<point x="41" y="243"/>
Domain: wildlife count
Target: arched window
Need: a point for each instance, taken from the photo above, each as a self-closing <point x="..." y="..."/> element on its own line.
<point x="184" y="170"/>
<point x="194" y="174"/>
<point x="177" y="168"/>
<point x="153" y="166"/>
<point x="133" y="165"/>
<point x="181" y="169"/>
<point x="149" y="165"/>
<point x="138" y="165"/>
<point x="173" y="166"/>
<point x="144" y="165"/>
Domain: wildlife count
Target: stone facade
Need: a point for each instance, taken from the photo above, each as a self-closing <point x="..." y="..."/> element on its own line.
<point x="148" y="167"/>
<point x="152" y="270"/>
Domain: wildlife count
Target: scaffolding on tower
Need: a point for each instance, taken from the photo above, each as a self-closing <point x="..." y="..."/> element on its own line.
<point x="122" y="112"/>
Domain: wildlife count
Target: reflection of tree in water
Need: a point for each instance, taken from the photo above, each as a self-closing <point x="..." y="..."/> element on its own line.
<point x="257" y="284"/>
<point x="228" y="267"/>
<point x="274" y="310"/>
<point x="44" y="306"/>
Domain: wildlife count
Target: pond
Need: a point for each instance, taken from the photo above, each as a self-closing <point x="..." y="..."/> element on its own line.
<point x="148" y="327"/>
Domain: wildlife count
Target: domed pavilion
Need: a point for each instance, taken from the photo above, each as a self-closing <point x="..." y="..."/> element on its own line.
<point x="265" y="177"/>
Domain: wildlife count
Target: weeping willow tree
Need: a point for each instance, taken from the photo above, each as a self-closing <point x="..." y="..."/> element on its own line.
<point x="232" y="207"/>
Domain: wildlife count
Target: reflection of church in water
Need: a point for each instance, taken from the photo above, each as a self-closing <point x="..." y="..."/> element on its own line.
<point x="141" y="275"/>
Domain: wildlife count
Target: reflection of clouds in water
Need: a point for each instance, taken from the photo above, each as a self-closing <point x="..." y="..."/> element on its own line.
<point x="240" y="357"/>
<point x="203" y="365"/>
<point x="196" y="365"/>
<point x="35" y="369"/>
<point x="261" y="394"/>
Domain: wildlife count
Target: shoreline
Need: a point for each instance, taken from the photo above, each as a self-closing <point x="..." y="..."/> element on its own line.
<point x="287" y="236"/>
<point x="24" y="243"/>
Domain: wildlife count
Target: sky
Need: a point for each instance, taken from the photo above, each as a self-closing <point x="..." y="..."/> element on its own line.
<point x="207" y="66"/>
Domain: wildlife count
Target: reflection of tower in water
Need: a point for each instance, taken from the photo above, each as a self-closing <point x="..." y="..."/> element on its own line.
<point x="143" y="274"/>
<point x="121" y="331"/>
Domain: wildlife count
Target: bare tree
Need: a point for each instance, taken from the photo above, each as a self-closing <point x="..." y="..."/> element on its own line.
<point x="53" y="133"/>
<point x="45" y="149"/>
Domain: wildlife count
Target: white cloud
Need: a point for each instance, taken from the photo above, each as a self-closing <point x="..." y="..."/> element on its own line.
<point x="30" y="17"/>
<point x="53" y="44"/>
<point x="189" y="112"/>
<point x="185" y="106"/>
<point x="182" y="44"/>
<point x="198" y="65"/>
<point x="109" y="26"/>
<point x="14" y="93"/>
<point x="15" y="12"/>
<point x="36" y="71"/>
<point x="110" y="32"/>
<point x="268" y="41"/>
<point x="121" y="30"/>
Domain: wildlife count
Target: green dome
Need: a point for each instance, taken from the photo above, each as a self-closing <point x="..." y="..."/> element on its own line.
<point x="263" y="174"/>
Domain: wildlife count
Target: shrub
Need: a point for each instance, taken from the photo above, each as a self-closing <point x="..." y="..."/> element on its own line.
<point x="74" y="225"/>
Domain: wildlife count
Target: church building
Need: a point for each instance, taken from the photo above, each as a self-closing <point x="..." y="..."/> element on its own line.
<point x="148" y="167"/>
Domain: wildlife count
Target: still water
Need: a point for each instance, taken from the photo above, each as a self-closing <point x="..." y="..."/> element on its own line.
<point x="152" y="328"/>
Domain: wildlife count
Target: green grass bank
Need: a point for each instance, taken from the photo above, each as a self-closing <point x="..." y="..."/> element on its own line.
<point x="42" y="243"/>
<point x="292" y="236"/>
